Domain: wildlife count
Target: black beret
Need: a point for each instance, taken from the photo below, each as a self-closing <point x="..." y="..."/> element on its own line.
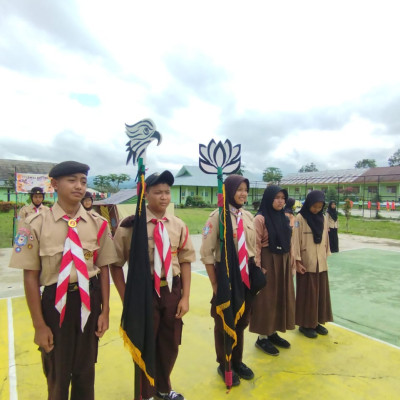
<point x="66" y="168"/>
<point x="88" y="195"/>
<point x="36" y="190"/>
<point x="156" y="178"/>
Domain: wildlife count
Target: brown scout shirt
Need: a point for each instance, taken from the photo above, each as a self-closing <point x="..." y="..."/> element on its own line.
<point x="331" y="222"/>
<point x="29" y="209"/>
<point x="39" y="243"/>
<point x="304" y="248"/>
<point x="210" y="249"/>
<point x="181" y="245"/>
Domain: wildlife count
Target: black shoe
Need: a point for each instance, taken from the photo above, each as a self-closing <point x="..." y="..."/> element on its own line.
<point x="321" y="330"/>
<point x="266" y="346"/>
<point x="278" y="341"/>
<point x="308" y="332"/>
<point x="172" y="395"/>
<point x="235" y="376"/>
<point x="244" y="371"/>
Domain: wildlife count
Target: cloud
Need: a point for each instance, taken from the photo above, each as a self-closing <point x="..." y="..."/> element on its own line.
<point x="103" y="158"/>
<point x="34" y="31"/>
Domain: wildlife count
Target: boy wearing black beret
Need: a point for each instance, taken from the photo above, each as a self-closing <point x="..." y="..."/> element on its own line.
<point x="62" y="249"/>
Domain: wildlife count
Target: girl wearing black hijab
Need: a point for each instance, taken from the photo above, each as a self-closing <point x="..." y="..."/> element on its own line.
<point x="333" y="225"/>
<point x="273" y="308"/>
<point x="310" y="250"/>
<point x="288" y="209"/>
<point x="236" y="188"/>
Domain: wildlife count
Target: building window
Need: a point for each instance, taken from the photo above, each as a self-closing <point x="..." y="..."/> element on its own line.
<point x="297" y="190"/>
<point x="391" y="189"/>
<point x="205" y="194"/>
<point x="192" y="194"/>
<point x="372" y="189"/>
<point x="324" y="189"/>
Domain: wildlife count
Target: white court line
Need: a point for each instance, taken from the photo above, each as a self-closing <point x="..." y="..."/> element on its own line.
<point x="365" y="335"/>
<point x="341" y="326"/>
<point x="12" y="368"/>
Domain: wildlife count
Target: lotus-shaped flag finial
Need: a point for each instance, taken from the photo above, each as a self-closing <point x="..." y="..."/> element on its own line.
<point x="218" y="155"/>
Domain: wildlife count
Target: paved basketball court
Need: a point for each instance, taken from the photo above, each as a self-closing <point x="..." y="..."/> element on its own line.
<point x="358" y="360"/>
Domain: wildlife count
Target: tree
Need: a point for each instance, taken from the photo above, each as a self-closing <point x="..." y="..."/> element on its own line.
<point x="118" y="179"/>
<point x="272" y="175"/>
<point x="365" y="163"/>
<point x="101" y="183"/>
<point x="309" y="168"/>
<point x="395" y="159"/>
<point x="109" y="183"/>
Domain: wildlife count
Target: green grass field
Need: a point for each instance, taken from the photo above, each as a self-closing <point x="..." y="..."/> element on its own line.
<point x="195" y="219"/>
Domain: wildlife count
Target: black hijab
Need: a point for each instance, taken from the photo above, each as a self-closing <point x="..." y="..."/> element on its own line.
<point x="232" y="182"/>
<point x="276" y="222"/>
<point x="314" y="221"/>
<point x="332" y="211"/>
<point x="289" y="205"/>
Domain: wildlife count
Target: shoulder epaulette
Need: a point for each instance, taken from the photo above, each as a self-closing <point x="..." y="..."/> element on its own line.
<point x="128" y="221"/>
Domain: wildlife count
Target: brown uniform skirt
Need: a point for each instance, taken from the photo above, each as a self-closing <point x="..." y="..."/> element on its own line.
<point x="274" y="306"/>
<point x="313" y="300"/>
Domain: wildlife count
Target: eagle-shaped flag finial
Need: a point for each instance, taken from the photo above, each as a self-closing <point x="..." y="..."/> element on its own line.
<point x="140" y="135"/>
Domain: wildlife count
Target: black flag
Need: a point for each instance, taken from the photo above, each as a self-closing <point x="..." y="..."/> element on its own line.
<point x="137" y="314"/>
<point x="230" y="290"/>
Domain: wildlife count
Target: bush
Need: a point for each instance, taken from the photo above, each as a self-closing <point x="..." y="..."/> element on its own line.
<point x="6" y="206"/>
<point x="195" y="201"/>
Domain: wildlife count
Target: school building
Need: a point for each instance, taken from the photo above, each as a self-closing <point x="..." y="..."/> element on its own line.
<point x="357" y="184"/>
<point x="192" y="181"/>
<point x="8" y="169"/>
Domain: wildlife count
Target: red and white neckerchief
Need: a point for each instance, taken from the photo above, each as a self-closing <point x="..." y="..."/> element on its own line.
<point x="242" y="250"/>
<point x="162" y="254"/>
<point x="73" y="254"/>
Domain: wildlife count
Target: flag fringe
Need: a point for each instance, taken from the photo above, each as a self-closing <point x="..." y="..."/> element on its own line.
<point x="231" y="332"/>
<point x="136" y="354"/>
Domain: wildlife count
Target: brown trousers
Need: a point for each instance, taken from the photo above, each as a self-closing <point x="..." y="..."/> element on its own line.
<point x="237" y="352"/>
<point x="75" y="352"/>
<point x="167" y="335"/>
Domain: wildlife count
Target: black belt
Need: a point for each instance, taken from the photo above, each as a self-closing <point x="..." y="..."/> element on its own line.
<point x="163" y="280"/>
<point x="73" y="287"/>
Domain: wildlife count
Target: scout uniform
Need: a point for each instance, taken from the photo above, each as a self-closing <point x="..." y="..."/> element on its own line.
<point x="39" y="246"/>
<point x="332" y="227"/>
<point x="313" y="304"/>
<point x="168" y="329"/>
<point x="29" y="209"/>
<point x="84" y="202"/>
<point x="273" y="308"/>
<point x="210" y="252"/>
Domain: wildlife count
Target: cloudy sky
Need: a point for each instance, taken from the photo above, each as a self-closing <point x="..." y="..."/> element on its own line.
<point x="293" y="82"/>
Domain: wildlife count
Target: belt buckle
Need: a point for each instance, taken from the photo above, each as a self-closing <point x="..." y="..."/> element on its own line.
<point x="73" y="287"/>
<point x="163" y="283"/>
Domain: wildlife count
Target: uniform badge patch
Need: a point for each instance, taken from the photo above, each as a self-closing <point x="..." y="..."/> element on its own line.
<point x="18" y="249"/>
<point x="88" y="255"/>
<point x="207" y="229"/>
<point x="296" y="224"/>
<point x="21" y="238"/>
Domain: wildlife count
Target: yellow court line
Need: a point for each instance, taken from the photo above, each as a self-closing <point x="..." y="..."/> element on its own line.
<point x="342" y="365"/>
<point x="4" y="383"/>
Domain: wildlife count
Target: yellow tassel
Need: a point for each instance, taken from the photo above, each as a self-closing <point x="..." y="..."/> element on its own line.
<point x="136" y="355"/>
